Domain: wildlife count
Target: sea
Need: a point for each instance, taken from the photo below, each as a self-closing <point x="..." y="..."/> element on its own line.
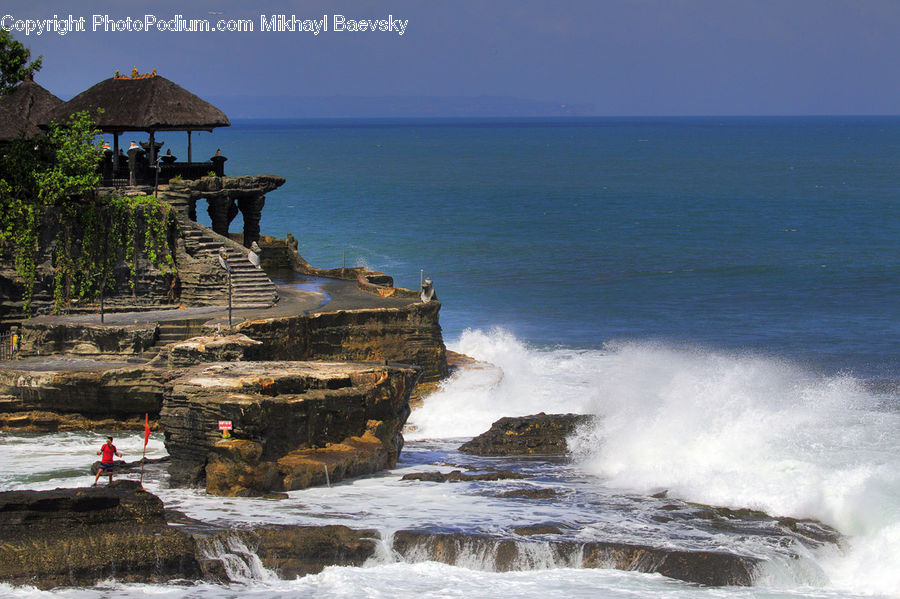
<point x="723" y="293"/>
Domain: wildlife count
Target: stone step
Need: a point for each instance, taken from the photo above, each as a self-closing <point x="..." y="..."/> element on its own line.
<point x="251" y="287"/>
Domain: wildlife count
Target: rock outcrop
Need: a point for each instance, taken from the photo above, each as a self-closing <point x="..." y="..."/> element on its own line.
<point x="51" y="337"/>
<point x="87" y="389"/>
<point x="70" y="537"/>
<point x="229" y="348"/>
<point x="457" y="476"/>
<point x="408" y="335"/>
<point x="289" y="551"/>
<point x="503" y="555"/>
<point x="540" y="434"/>
<point x="296" y="424"/>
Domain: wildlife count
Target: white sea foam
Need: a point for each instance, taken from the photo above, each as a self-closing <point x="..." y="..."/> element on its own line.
<point x="517" y="382"/>
<point x="430" y="580"/>
<point x="729" y="429"/>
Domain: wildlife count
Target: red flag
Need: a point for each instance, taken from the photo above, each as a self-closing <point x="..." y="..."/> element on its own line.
<point x="146" y="429"/>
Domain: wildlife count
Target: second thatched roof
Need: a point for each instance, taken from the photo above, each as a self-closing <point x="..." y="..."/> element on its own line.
<point x="15" y="126"/>
<point x="143" y="103"/>
<point x="30" y="101"/>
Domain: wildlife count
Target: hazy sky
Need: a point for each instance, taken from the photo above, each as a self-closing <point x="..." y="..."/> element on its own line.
<point x="626" y="57"/>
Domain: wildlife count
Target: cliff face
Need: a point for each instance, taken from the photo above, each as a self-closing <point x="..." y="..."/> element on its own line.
<point x="120" y="394"/>
<point x="296" y="424"/>
<point x="74" y="338"/>
<point x="409" y="335"/>
<point x="152" y="287"/>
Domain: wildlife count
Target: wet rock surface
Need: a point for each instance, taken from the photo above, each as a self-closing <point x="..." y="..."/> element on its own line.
<point x="290" y="551"/>
<point x="295" y="424"/>
<point x="81" y="536"/>
<point x="539" y="434"/>
<point x="503" y="555"/>
<point x="459" y="476"/>
<point x="529" y="494"/>
<point x="123" y="467"/>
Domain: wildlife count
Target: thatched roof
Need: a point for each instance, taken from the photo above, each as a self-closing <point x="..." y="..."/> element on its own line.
<point x="14" y="126"/>
<point x="143" y="103"/>
<point x="30" y="101"/>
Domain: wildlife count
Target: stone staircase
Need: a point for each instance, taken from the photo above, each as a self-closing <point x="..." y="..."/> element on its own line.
<point x="251" y="287"/>
<point x="171" y="331"/>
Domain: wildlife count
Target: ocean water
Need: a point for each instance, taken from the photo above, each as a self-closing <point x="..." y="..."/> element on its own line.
<point x="721" y="292"/>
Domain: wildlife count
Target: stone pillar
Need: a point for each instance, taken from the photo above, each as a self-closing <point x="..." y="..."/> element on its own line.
<point x="106" y="165"/>
<point x="137" y="170"/>
<point x="221" y="212"/>
<point x="218" y="164"/>
<point x="251" y="209"/>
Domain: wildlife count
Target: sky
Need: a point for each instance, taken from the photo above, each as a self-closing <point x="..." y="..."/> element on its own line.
<point x="599" y="57"/>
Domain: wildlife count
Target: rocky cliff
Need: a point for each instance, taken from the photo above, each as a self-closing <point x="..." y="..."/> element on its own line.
<point x="409" y="335"/>
<point x="84" y="388"/>
<point x="296" y="424"/>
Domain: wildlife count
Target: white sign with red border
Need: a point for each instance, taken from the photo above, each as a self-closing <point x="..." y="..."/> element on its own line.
<point x="225" y="425"/>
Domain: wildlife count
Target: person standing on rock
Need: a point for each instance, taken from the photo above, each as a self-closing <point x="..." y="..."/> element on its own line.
<point x="106" y="461"/>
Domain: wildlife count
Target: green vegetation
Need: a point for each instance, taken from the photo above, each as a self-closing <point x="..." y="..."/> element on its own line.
<point x="97" y="235"/>
<point x="53" y="178"/>
<point x="14" y="65"/>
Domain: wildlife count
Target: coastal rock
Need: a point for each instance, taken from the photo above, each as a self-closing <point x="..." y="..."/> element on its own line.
<point x="49" y="337"/>
<point x="540" y="434"/>
<point x="51" y="422"/>
<point x="78" y="537"/>
<point x="408" y="335"/>
<point x="459" y="476"/>
<point x="503" y="555"/>
<point x="290" y="551"/>
<point x="121" y="466"/>
<point x="54" y="394"/>
<point x="539" y="529"/>
<point x="229" y="348"/>
<point x="529" y="494"/>
<point x="296" y="424"/>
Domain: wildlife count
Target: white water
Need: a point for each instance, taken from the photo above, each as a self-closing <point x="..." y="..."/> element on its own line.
<point x="728" y="429"/>
<point x="737" y="430"/>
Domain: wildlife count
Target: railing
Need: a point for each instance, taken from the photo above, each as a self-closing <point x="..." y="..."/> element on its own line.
<point x="9" y="345"/>
<point x="136" y="170"/>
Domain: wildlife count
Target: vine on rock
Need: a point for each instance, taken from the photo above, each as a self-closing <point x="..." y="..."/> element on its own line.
<point x="55" y="177"/>
<point x="98" y="235"/>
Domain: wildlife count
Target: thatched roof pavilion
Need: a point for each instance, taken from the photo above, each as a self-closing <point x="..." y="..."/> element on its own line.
<point x="30" y="101"/>
<point x="15" y="126"/>
<point x="143" y="103"/>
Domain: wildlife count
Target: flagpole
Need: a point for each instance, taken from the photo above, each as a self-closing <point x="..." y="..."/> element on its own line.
<point x="146" y="438"/>
<point x="142" y="465"/>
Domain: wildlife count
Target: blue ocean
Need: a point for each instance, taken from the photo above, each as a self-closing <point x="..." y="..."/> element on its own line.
<point x="722" y="293"/>
<point x="776" y="235"/>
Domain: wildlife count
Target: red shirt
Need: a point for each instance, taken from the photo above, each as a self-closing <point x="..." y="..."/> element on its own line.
<point x="108" y="452"/>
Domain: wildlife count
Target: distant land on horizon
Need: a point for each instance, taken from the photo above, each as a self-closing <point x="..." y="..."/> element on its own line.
<point x="244" y="107"/>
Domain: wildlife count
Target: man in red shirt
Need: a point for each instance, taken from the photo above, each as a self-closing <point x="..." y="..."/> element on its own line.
<point x="106" y="462"/>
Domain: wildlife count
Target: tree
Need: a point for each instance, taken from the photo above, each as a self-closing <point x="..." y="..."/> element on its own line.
<point x="73" y="150"/>
<point x="14" y="65"/>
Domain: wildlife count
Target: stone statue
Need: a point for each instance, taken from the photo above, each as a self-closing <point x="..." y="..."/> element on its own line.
<point x="428" y="294"/>
<point x="253" y="256"/>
